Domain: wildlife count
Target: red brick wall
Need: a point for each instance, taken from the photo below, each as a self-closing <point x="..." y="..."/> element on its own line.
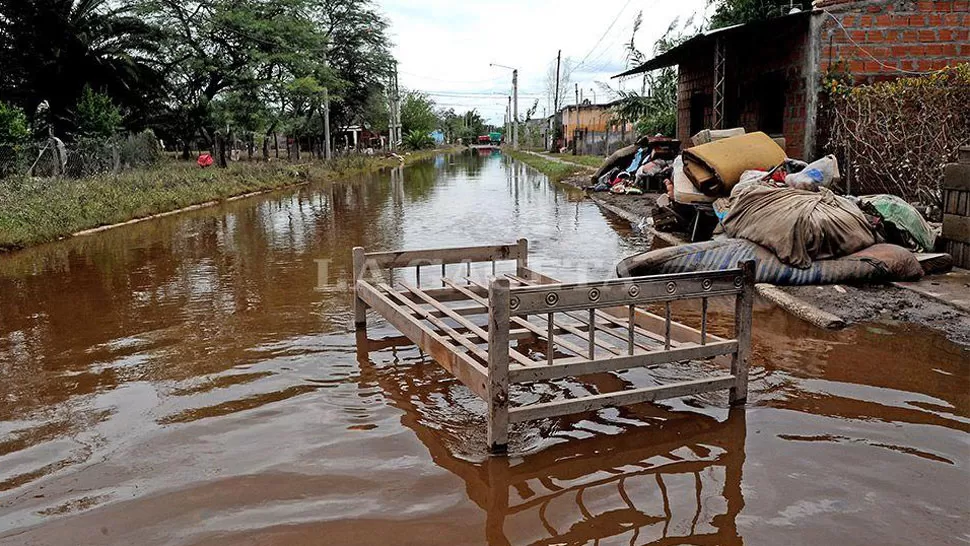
<point x="748" y="62"/>
<point x="912" y="35"/>
<point x="695" y="76"/>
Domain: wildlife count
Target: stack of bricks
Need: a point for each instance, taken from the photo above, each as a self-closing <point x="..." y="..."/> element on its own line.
<point x="909" y="35"/>
<point x="956" y="209"/>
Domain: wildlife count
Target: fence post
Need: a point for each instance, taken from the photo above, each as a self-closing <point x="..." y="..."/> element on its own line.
<point x="115" y="158"/>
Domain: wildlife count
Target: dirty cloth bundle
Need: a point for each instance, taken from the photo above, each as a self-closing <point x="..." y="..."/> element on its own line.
<point x="878" y="263"/>
<point x="716" y="167"/>
<point x="799" y="226"/>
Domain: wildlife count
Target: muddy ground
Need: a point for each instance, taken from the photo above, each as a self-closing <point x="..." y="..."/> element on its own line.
<point x="878" y="303"/>
<point x="853" y="304"/>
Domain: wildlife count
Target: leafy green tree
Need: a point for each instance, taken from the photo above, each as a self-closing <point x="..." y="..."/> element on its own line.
<point x="95" y="116"/>
<point x="376" y="114"/>
<point x="418" y="140"/>
<point x="736" y="12"/>
<point x="280" y="52"/>
<point x="357" y="53"/>
<point x="213" y="47"/>
<point x="653" y="109"/>
<point x="13" y="125"/>
<point x="51" y="49"/>
<point x="418" y="113"/>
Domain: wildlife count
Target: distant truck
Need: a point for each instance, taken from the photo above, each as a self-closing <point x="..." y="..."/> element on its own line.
<point x="484" y="140"/>
<point x="495" y="138"/>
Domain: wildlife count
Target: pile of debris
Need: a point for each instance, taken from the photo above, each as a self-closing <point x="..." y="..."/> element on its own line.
<point x="757" y="203"/>
<point x="637" y="168"/>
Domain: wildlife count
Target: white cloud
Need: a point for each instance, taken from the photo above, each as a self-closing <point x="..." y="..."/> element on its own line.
<point x="445" y="46"/>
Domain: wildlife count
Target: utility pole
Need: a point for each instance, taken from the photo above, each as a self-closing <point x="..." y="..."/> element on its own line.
<point x="508" y="119"/>
<point x="555" y="99"/>
<point x="398" y="137"/>
<point x="394" y="111"/>
<point x="576" y="128"/>
<point x="328" y="154"/>
<point x="513" y="108"/>
<point x="515" y="111"/>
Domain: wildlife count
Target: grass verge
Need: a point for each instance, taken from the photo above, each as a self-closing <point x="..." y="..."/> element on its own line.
<point x="34" y="211"/>
<point x="554" y="170"/>
<point x="593" y="161"/>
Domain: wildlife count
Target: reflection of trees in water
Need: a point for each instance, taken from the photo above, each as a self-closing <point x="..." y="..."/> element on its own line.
<point x="198" y="290"/>
<point x="646" y="474"/>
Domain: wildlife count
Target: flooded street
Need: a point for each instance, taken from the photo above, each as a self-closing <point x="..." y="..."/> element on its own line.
<point x="196" y="380"/>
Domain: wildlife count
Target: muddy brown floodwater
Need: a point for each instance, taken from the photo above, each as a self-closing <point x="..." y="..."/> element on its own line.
<point x="194" y="381"/>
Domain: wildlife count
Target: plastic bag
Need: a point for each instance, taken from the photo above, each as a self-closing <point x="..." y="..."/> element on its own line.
<point x="821" y="172"/>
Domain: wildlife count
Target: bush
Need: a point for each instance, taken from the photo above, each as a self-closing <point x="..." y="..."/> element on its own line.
<point x="14" y="133"/>
<point x="896" y="136"/>
<point x="95" y="116"/>
<point x="418" y="140"/>
<point x="13" y="125"/>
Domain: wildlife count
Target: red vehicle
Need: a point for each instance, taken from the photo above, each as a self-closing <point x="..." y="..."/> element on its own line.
<point x="484" y="140"/>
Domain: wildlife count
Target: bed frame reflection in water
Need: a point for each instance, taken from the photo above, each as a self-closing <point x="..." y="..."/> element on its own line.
<point x="658" y="476"/>
<point x="483" y="332"/>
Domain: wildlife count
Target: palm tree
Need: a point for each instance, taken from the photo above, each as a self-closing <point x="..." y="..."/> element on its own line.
<point x="51" y="49"/>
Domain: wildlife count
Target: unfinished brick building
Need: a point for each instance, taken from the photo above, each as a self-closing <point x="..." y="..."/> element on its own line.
<point x="767" y="75"/>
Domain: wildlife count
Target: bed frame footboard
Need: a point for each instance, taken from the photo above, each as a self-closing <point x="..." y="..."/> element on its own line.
<point x="469" y="327"/>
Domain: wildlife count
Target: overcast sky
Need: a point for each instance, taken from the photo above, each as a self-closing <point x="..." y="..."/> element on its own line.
<point x="444" y="47"/>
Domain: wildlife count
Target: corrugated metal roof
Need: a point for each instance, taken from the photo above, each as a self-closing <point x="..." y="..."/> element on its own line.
<point x="675" y="55"/>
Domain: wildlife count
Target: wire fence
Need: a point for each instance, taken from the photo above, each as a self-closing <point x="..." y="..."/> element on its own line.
<point x="78" y="159"/>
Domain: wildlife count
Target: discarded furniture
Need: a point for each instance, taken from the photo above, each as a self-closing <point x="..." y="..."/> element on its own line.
<point x="587" y="482"/>
<point x="956" y="209"/>
<point x="581" y="328"/>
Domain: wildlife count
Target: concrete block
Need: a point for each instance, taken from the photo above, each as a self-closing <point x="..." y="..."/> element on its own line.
<point x="964" y="155"/>
<point x="956" y="176"/>
<point x="956" y="228"/>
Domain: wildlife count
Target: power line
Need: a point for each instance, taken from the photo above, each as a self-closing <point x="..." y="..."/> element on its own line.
<point x="476" y="95"/>
<point x="866" y="51"/>
<point x="608" y="29"/>
<point x="450" y="81"/>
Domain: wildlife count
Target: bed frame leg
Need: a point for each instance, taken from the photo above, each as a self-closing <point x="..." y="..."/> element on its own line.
<point x="360" y="308"/>
<point x="498" y="365"/>
<point x="522" y="262"/>
<point x="742" y="322"/>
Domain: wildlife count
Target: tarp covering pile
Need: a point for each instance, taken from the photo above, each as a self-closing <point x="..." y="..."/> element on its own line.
<point x="904" y="224"/>
<point x="878" y="263"/>
<point x="799" y="226"/>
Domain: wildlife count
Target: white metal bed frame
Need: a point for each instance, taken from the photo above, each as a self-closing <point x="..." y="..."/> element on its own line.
<point x="525" y="307"/>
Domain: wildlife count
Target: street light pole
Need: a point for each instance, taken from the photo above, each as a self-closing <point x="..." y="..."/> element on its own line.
<point x="515" y="112"/>
<point x="515" y="103"/>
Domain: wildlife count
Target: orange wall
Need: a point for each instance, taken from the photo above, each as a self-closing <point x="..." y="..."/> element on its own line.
<point x="591" y="118"/>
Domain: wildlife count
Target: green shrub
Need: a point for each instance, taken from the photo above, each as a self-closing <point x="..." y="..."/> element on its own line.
<point x="418" y="140"/>
<point x="95" y="116"/>
<point x="13" y="125"/>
